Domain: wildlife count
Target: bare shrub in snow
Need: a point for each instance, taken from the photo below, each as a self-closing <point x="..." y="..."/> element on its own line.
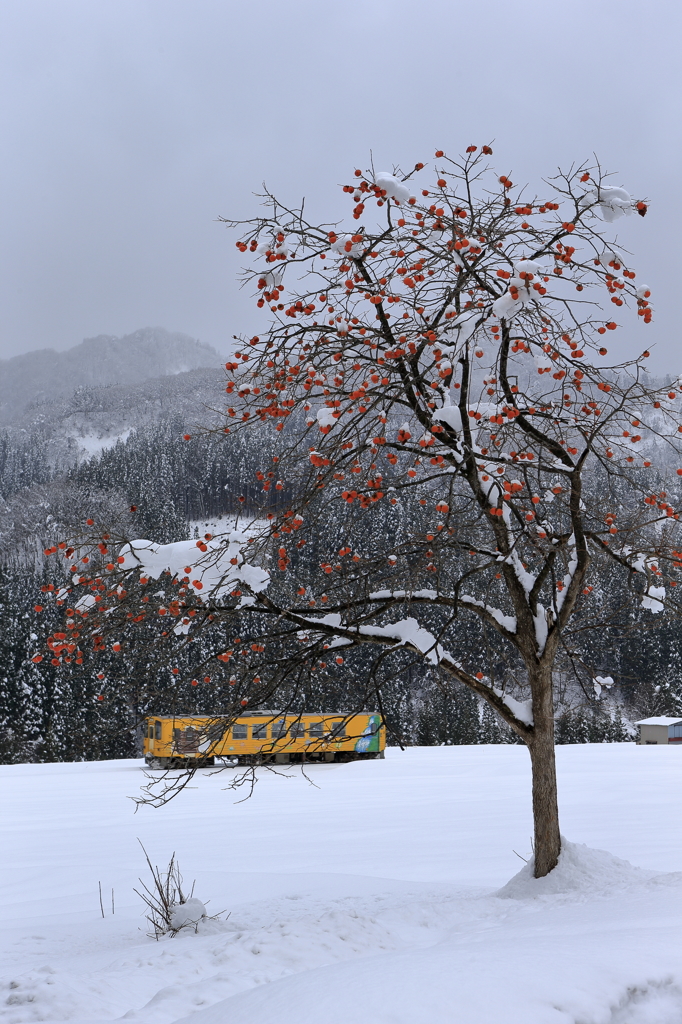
<point x="169" y="909"/>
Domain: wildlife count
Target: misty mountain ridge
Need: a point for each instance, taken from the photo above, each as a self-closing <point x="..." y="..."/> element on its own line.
<point x="43" y="384"/>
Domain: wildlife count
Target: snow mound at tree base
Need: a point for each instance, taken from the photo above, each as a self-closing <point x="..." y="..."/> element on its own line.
<point x="580" y="870"/>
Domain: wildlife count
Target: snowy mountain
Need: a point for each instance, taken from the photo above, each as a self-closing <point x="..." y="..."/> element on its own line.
<point x="36" y="383"/>
<point x="94" y="418"/>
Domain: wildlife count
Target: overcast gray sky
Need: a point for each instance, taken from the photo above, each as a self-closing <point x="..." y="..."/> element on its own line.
<point x="128" y="126"/>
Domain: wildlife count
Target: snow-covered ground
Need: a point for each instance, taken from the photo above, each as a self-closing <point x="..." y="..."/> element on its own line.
<point x="93" y="444"/>
<point x="381" y="893"/>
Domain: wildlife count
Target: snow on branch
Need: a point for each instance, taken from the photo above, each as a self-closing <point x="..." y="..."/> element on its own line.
<point x="506" y="622"/>
<point x="213" y="568"/>
<point x="521" y="709"/>
<point x="568" y="578"/>
<point x="653" y="598"/>
<point x="406" y="632"/>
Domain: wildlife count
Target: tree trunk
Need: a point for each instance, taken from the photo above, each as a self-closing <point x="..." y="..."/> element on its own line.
<point x="547" y="841"/>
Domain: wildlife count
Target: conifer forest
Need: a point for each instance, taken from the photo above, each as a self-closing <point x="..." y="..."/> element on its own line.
<point x="149" y="481"/>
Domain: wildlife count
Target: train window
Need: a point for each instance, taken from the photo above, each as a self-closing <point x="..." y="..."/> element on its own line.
<point x="296" y="729"/>
<point x="239" y="731"/>
<point x="150" y="731"/>
<point x="157" y="730"/>
<point x="315" y="730"/>
<point x="279" y="729"/>
<point x="338" y="729"/>
<point x="259" y="732"/>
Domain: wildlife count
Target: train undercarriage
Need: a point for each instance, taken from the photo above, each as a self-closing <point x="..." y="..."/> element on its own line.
<point x="326" y="757"/>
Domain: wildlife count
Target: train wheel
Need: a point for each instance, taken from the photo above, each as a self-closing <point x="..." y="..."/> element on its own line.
<point x="159" y="763"/>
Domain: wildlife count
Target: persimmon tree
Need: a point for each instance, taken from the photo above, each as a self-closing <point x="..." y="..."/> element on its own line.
<point x="441" y="365"/>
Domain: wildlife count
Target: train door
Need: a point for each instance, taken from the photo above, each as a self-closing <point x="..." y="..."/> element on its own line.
<point x="153" y="733"/>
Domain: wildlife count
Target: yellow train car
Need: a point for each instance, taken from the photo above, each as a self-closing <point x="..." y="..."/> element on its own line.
<point x="262" y="737"/>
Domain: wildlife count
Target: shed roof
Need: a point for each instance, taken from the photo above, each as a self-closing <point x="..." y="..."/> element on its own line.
<point x="660" y="720"/>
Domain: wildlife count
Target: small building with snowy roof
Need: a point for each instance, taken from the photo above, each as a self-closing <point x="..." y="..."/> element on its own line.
<point x="660" y="729"/>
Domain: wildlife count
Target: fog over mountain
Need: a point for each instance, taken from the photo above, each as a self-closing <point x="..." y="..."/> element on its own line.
<point x="44" y="383"/>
